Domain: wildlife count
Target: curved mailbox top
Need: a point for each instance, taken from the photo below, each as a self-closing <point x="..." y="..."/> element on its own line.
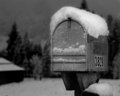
<point x="69" y="39"/>
<point x="94" y="24"/>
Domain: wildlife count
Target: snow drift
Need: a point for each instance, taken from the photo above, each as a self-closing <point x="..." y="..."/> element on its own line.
<point x="93" y="24"/>
<point x="103" y="89"/>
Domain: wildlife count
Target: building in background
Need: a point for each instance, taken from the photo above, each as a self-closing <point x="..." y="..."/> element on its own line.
<point x="10" y="72"/>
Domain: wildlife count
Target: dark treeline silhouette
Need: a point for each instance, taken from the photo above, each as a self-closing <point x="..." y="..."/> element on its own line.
<point x="114" y="46"/>
<point x="84" y="5"/>
<point x="34" y="58"/>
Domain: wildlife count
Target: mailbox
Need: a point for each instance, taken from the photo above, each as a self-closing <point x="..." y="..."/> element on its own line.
<point x="74" y="43"/>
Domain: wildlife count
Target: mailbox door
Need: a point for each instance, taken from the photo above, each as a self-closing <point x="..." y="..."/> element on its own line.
<point x="69" y="47"/>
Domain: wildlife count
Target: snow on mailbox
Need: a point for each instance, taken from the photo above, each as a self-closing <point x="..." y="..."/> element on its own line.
<point x="78" y="41"/>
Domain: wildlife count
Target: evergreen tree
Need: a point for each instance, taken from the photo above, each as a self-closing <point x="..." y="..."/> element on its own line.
<point x="46" y="58"/>
<point x="26" y="46"/>
<point x="37" y="50"/>
<point x="37" y="66"/>
<point x="11" y="42"/>
<point x="28" y="50"/>
<point x="17" y="52"/>
<point x="25" y="49"/>
<point x="116" y="46"/>
<point x="111" y="44"/>
<point x="110" y="22"/>
<point x="84" y="5"/>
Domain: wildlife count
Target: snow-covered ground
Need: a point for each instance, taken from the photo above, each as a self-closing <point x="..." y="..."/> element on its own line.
<point x="46" y="87"/>
<point x="115" y="84"/>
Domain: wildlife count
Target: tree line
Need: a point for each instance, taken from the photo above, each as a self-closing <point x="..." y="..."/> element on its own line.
<point x="34" y="58"/>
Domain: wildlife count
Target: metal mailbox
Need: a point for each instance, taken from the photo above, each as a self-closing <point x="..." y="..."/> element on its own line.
<point x="73" y="49"/>
<point x="78" y="41"/>
<point x="79" y="47"/>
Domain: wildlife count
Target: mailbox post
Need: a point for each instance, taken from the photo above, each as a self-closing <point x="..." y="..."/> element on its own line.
<point x="79" y="48"/>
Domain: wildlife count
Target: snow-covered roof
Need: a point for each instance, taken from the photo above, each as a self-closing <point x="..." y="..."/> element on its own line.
<point x="6" y="65"/>
<point x="94" y="24"/>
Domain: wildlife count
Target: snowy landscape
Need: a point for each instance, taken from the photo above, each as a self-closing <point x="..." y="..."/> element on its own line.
<point x="25" y="42"/>
<point x="45" y="87"/>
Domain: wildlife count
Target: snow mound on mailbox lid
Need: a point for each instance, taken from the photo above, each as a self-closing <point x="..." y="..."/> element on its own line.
<point x="93" y="23"/>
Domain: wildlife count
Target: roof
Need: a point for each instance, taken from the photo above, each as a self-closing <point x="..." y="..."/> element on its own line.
<point x="94" y="24"/>
<point x="6" y="65"/>
<point x="4" y="61"/>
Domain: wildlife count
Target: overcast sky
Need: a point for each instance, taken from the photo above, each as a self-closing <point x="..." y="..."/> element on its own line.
<point x="33" y="16"/>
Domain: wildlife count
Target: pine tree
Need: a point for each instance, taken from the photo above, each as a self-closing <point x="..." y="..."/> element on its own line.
<point x="37" y="50"/>
<point x="11" y="42"/>
<point x="25" y="51"/>
<point x="17" y="52"/>
<point x="84" y="5"/>
<point x="110" y="22"/>
<point x="116" y="46"/>
<point x="46" y="58"/>
<point x="111" y="44"/>
<point x="37" y="66"/>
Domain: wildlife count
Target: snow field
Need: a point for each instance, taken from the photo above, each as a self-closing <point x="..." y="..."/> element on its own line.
<point x="46" y="87"/>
